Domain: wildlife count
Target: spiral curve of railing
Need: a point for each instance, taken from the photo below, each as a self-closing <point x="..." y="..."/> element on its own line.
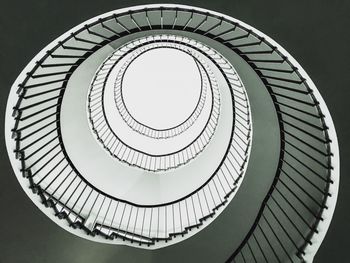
<point x="295" y="212"/>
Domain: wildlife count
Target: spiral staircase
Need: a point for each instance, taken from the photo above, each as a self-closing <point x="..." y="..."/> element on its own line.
<point x="252" y="140"/>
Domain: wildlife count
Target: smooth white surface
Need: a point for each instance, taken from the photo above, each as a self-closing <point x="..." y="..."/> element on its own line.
<point x="161" y="87"/>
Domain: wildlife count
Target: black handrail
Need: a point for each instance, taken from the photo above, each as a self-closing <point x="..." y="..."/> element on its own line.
<point x="252" y="48"/>
<point x="198" y="65"/>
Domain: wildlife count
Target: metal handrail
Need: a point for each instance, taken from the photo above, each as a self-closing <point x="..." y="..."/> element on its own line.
<point x="301" y="115"/>
<point x="145" y="129"/>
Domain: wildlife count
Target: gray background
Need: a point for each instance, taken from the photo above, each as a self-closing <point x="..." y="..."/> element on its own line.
<point x="316" y="33"/>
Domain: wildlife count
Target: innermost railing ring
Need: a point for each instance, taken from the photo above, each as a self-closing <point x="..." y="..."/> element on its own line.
<point x="162" y="90"/>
